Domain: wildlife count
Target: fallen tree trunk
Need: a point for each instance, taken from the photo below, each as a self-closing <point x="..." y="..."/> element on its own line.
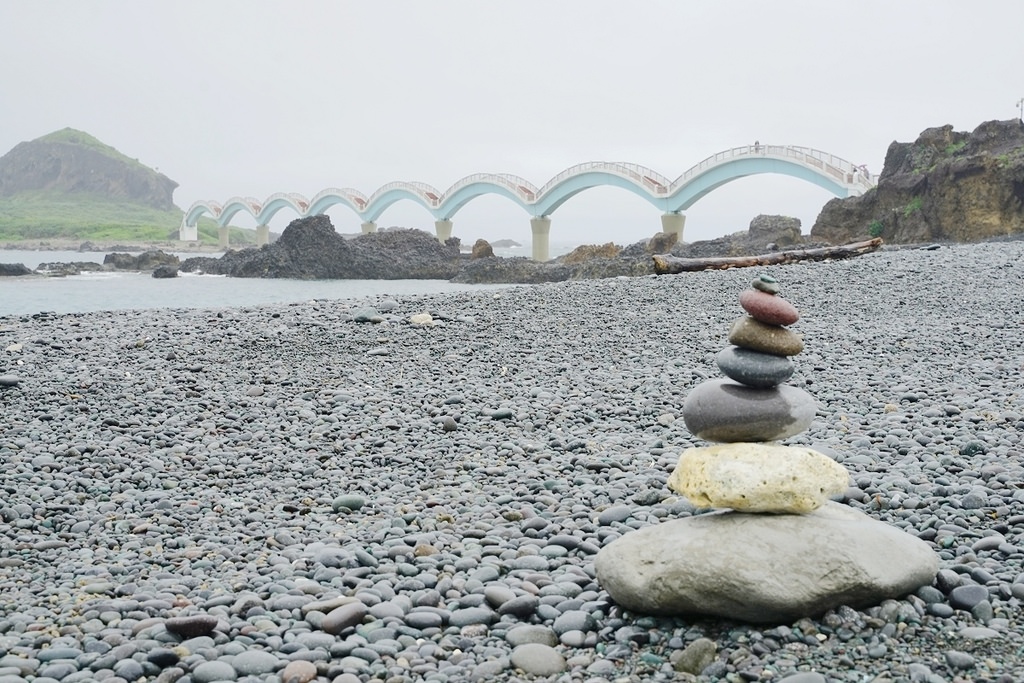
<point x="665" y="264"/>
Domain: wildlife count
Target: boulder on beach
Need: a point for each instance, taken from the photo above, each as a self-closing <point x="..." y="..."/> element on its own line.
<point x="764" y="568"/>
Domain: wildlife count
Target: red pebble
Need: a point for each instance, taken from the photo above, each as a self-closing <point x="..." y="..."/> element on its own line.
<point x="768" y="308"/>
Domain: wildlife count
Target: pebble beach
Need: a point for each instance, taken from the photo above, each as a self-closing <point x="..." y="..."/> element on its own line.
<point x="285" y="494"/>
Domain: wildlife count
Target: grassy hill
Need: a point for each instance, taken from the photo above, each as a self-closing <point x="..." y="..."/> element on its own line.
<point x="42" y="216"/>
<point x="67" y="187"/>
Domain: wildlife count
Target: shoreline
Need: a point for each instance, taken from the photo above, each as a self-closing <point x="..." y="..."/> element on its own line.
<point x="104" y="246"/>
<point x="257" y="469"/>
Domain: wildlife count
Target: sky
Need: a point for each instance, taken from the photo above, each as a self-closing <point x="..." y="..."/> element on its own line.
<point x="252" y="97"/>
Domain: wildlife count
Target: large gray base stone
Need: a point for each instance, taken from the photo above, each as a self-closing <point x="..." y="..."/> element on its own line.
<point x="764" y="568"/>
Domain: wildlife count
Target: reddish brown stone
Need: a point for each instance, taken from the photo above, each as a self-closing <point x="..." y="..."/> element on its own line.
<point x="768" y="308"/>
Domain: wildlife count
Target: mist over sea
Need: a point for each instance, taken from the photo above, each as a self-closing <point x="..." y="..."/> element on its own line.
<point x="114" y="291"/>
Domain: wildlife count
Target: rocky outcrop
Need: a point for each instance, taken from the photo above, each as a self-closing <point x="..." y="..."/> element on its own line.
<point x="13" y="269"/>
<point x="165" y="272"/>
<point x="588" y="252"/>
<point x="70" y="161"/>
<point x="482" y="249"/>
<point x="944" y="186"/>
<point x="61" y="269"/>
<point x="310" y="249"/>
<point x="147" y="260"/>
<point x="766" y="233"/>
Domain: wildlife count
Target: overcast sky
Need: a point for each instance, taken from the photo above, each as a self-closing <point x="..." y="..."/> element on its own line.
<point x="252" y="97"/>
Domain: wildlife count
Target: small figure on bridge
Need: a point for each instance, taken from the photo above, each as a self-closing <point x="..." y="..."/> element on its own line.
<point x="757" y="146"/>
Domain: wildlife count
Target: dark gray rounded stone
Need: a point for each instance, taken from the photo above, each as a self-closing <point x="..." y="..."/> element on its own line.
<point x="724" y="410"/>
<point x="754" y="368"/>
<point x="967" y="596"/>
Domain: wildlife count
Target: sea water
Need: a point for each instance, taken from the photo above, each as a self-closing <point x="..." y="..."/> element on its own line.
<point x="112" y="291"/>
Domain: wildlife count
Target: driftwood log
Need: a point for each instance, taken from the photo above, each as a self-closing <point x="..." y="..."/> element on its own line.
<point x="665" y="264"/>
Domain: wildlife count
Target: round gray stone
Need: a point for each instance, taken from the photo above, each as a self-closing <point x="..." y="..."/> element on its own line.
<point x="724" y="410"/>
<point x="754" y="368"/>
<point x="538" y="660"/>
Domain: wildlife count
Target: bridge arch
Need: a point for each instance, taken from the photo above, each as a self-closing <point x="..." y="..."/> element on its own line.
<point x="834" y="174"/>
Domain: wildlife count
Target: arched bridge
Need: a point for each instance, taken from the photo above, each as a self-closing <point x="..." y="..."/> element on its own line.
<point x="672" y="197"/>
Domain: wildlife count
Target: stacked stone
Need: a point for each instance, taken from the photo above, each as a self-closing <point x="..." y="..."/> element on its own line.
<point x="783" y="551"/>
<point x="750" y="409"/>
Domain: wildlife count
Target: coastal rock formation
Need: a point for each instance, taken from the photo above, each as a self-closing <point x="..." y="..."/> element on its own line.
<point x="13" y="269"/>
<point x="70" y="161"/>
<point x="311" y="249"/>
<point x="783" y="551"/>
<point x="147" y="260"/>
<point x="481" y="249"/>
<point x="165" y="272"/>
<point x="944" y="186"/>
<point x="765" y="233"/>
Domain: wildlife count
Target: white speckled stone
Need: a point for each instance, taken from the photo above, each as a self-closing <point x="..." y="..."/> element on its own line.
<point x="758" y="477"/>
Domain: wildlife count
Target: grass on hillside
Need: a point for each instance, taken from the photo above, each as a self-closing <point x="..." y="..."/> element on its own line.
<point x="84" y="217"/>
<point x="80" y="139"/>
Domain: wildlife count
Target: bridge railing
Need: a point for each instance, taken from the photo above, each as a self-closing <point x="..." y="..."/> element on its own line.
<point x="842" y="170"/>
<point x="428" y="192"/>
<point x="642" y="175"/>
<point x="517" y="184"/>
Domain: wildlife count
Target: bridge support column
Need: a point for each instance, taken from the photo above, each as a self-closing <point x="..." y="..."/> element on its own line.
<point x="262" y="235"/>
<point x="673" y="223"/>
<point x="369" y="226"/>
<point x="541" y="228"/>
<point x="222" y="234"/>
<point x="443" y="230"/>
<point x="188" y="233"/>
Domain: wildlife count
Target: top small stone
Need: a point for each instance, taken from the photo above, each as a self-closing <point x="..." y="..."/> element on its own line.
<point x="766" y="283"/>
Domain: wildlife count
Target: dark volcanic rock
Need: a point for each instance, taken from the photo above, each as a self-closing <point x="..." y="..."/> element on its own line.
<point x="13" y="269"/>
<point x="61" y="269"/>
<point x="944" y="186"/>
<point x="310" y="249"/>
<point x="163" y="272"/>
<point x="147" y="260"/>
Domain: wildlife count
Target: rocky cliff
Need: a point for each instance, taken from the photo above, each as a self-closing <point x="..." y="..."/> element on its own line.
<point x="944" y="186"/>
<point x="70" y="161"/>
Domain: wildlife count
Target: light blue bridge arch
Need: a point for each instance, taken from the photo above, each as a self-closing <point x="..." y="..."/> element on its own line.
<point x="671" y="197"/>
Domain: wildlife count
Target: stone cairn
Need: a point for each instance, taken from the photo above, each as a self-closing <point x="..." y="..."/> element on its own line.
<point x="781" y="550"/>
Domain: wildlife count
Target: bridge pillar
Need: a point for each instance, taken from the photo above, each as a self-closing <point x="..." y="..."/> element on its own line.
<point x="443" y="230"/>
<point x="673" y="223"/>
<point x="369" y="226"/>
<point x="188" y="233"/>
<point x="262" y="235"/>
<point x="222" y="234"/>
<point x="541" y="228"/>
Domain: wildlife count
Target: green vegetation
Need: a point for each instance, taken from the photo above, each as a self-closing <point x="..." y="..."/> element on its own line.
<point x="1009" y="158"/>
<point x="85" y="217"/>
<point x="954" y="147"/>
<point x="914" y="205"/>
<point x="76" y="137"/>
<point x="875" y="228"/>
